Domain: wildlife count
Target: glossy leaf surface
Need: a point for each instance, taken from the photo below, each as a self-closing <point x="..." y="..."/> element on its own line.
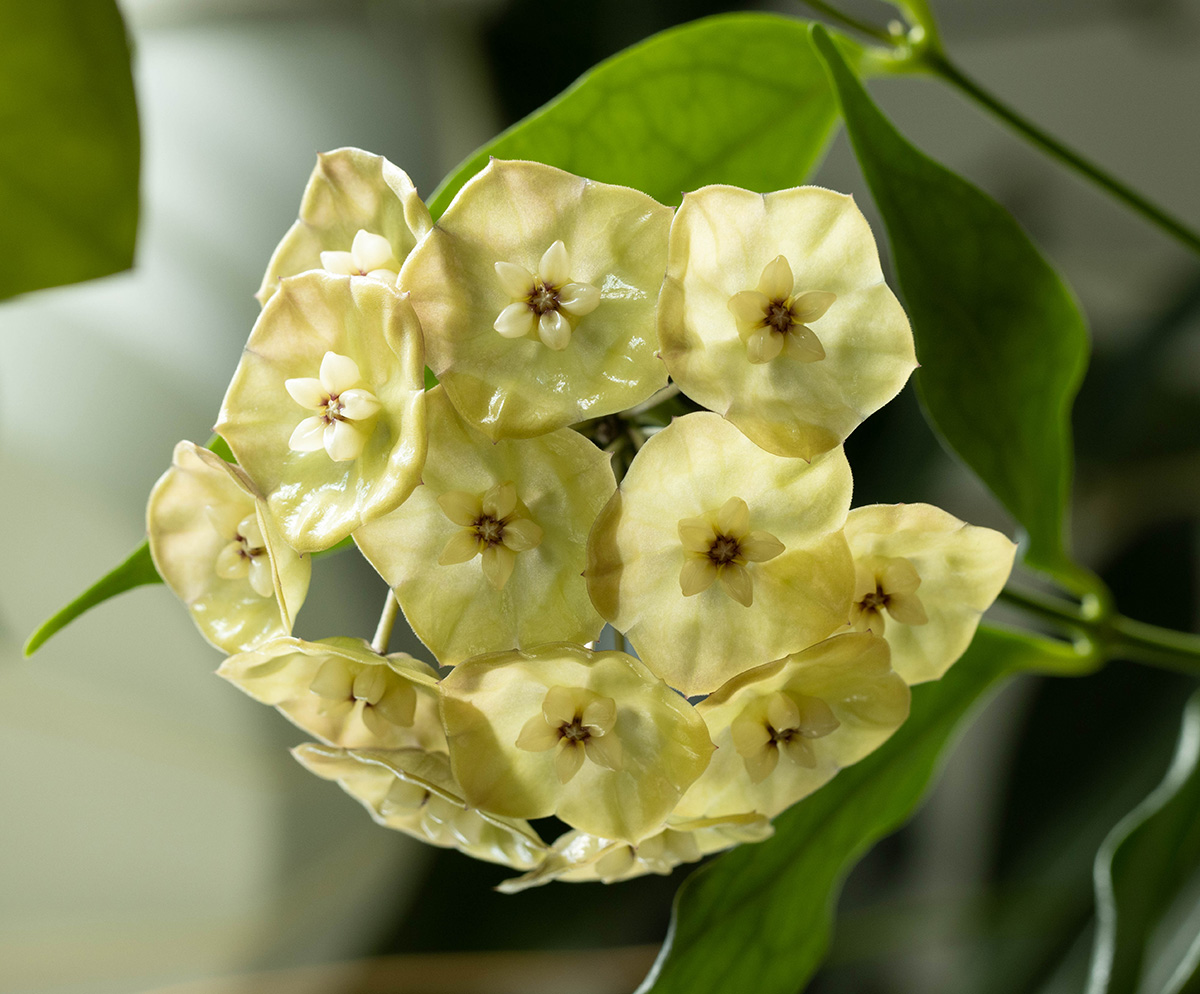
<point x="1001" y="341"/>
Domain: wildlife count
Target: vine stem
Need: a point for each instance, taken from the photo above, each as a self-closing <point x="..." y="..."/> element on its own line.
<point x="940" y="65"/>
<point x="387" y="620"/>
<point x="1114" y="634"/>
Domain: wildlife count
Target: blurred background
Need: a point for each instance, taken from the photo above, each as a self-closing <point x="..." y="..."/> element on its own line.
<point x="155" y="835"/>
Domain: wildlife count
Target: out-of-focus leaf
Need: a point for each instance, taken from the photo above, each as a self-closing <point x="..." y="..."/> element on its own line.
<point x="69" y="144"/>
<point x="759" y="918"/>
<point x="1141" y="865"/>
<point x="136" y="571"/>
<point x="738" y="98"/>
<point x="1000" y="338"/>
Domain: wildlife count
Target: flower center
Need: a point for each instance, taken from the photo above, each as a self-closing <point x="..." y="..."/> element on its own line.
<point x="876" y="601"/>
<point x="780" y="316"/>
<point x="725" y="549"/>
<point x="574" y="731"/>
<point x="489" y="530"/>
<point x="544" y="298"/>
<point x="331" y="410"/>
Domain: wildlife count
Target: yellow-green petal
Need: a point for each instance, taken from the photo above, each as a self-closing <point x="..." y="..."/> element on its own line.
<point x="636" y="560"/>
<point x="604" y="360"/>
<point x="304" y="680"/>
<point x="962" y="569"/>
<point x="414" y="792"/>
<point x="319" y="501"/>
<point x="349" y="191"/>
<point x="488" y="701"/>
<point x="724" y="241"/>
<point x="561" y="481"/>
<point x="192" y="516"/>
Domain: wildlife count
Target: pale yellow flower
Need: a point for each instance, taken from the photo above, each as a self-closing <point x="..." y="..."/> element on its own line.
<point x="414" y="792"/>
<point x="537" y="292"/>
<point x="326" y="411"/>
<point x="701" y="502"/>
<point x="924" y="578"/>
<point x="774" y="313"/>
<point x="592" y="737"/>
<point x="360" y="215"/>
<point x="216" y="545"/>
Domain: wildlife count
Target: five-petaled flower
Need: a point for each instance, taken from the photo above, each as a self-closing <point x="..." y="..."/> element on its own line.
<point x="575" y="723"/>
<point x="774" y="316"/>
<point x="546" y="300"/>
<point x="344" y="409"/>
<point x="494" y="528"/>
<point x="719" y="547"/>
<point x="369" y="255"/>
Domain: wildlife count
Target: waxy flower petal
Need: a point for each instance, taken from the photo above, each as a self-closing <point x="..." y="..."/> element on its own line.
<point x="343" y="692"/>
<point x="652" y="564"/>
<point x="217" y="547"/>
<point x="360" y="215"/>
<point x="746" y="275"/>
<point x="414" y="792"/>
<point x="537" y="294"/>
<point x="785" y="728"/>
<point x="959" y="570"/>
<point x="494" y="705"/>
<point x="361" y="342"/>
<point x="487" y="553"/>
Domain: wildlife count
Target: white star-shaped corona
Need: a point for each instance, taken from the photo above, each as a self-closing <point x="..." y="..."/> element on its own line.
<point x="545" y="300"/>
<point x="340" y="426"/>
<point x="369" y="255"/>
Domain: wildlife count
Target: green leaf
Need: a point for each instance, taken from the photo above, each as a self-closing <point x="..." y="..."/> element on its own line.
<point x="136" y="571"/>
<point x="1000" y="338"/>
<point x="1142" y="863"/>
<point x="69" y="144"/>
<point x="759" y="918"/>
<point x="739" y="98"/>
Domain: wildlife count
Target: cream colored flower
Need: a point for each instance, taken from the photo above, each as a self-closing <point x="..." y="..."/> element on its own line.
<point x="216" y="546"/>
<point x="720" y="546"/>
<point x="343" y="692"/>
<point x="747" y="275"/>
<point x="493" y="528"/>
<point x="776" y="316"/>
<point x="575" y="723"/>
<point x="785" y="584"/>
<point x="369" y="255"/>
<point x="924" y="578"/>
<point x="345" y="410"/>
<point x="360" y="215"/>
<point x="785" y="728"/>
<point x="546" y="301"/>
<point x="414" y="792"/>
<point x="488" y="553"/>
<point x="592" y="737"/>
<point x="527" y="246"/>
<point x="349" y="350"/>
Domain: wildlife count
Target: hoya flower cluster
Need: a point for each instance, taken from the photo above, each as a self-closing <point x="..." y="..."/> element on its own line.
<point x="555" y="481"/>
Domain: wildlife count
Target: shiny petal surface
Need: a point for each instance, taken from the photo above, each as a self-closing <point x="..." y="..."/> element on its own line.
<point x="199" y="489"/>
<point x="326" y="688"/>
<point x="317" y="500"/>
<point x="513" y="212"/>
<point x="663" y="746"/>
<point x="776" y="281"/>
<point x="517" y="281"/>
<point x="554" y="330"/>
<point x="578" y="299"/>
<point x="724" y="241"/>
<point x="308" y="435"/>
<point x="962" y="568"/>
<point x="460" y="507"/>
<point x="349" y="191"/>
<point x="561" y="481"/>
<point x="866" y="703"/>
<point x="690" y="469"/>
<point x="515" y="321"/>
<point x="338" y="373"/>
<point x="306" y="391"/>
<point x="358" y="405"/>
<point x="554" y="267"/>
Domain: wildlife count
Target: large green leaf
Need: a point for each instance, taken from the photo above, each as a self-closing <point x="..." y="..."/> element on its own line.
<point x="739" y="98"/>
<point x="69" y="144"/>
<point x="1000" y="338"/>
<point x="1141" y="865"/>
<point x="759" y="917"/>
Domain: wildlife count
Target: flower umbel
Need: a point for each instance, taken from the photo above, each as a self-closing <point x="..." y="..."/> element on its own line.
<point x="494" y="528"/>
<point x="720" y="550"/>
<point x="545" y="300"/>
<point x="344" y="410"/>
<point x="575" y="723"/>
<point x="775" y="315"/>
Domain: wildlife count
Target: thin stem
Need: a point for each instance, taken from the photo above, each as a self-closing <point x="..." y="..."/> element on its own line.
<point x="863" y="27"/>
<point x="1114" y="635"/>
<point x="383" y="633"/>
<point x="940" y="65"/>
